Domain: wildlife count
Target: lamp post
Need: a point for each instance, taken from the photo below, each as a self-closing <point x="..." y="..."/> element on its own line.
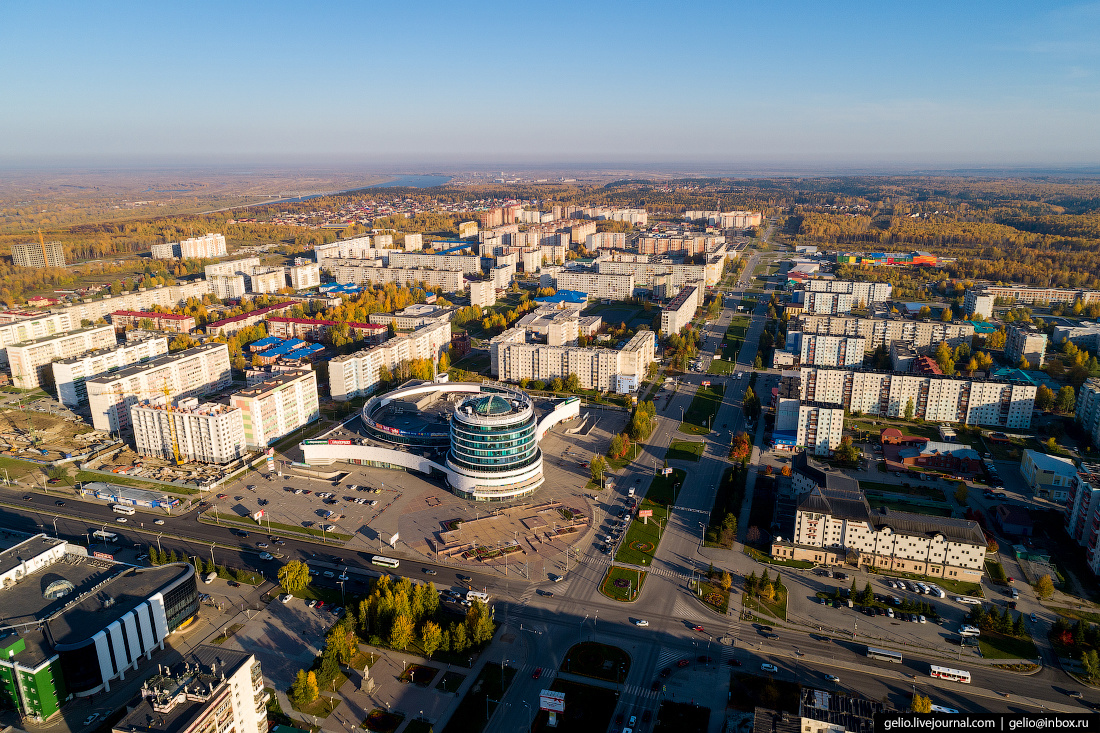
<point x="159" y="548"/>
<point x="55" y="528"/>
<point x="212" y="562"/>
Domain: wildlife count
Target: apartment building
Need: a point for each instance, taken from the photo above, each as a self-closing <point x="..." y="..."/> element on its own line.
<point x="17" y="327"/>
<point x="594" y="284"/>
<point x="276" y="407"/>
<point x="861" y="292"/>
<point x="1026" y="342"/>
<point x="431" y="261"/>
<point x="553" y="326"/>
<point x="828" y="303"/>
<point x="414" y="316"/>
<point x="513" y="359"/>
<point x="502" y="275"/>
<point x="833" y="525"/>
<point x="1024" y="294"/>
<point x="1081" y="514"/>
<point x="266" y="280"/>
<point x="815" y="427"/>
<point x="30" y="360"/>
<point x="977" y="302"/>
<point x="939" y="399"/>
<point x="606" y="240"/>
<point x="174" y="322"/>
<point x="682" y="244"/>
<point x="553" y="254"/>
<point x="676" y="316"/>
<point x="413" y="242"/>
<point x="878" y="332"/>
<point x="646" y="274"/>
<point x="358" y="374"/>
<point x="70" y="374"/>
<point x="189" y="373"/>
<point x="348" y="271"/>
<point x="212" y="689"/>
<point x="234" y="325"/>
<point x="143" y="299"/>
<point x="357" y="248"/>
<point x="727" y="219"/>
<point x="822" y="350"/>
<point x="229" y="287"/>
<point x="1087" y="413"/>
<point x="38" y="254"/>
<point x="315" y="329"/>
<point x="203" y="433"/>
<point x="1085" y="336"/>
<point x="483" y="293"/>
<point x="243" y="266"/>
<point x="303" y="277"/>
<point x="467" y="229"/>
<point x="579" y="231"/>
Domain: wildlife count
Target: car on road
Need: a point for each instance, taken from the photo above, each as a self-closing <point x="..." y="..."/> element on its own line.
<point x="121" y="520"/>
<point x="429" y="571"/>
<point x="261" y="545"/>
<point x="223" y="496"/>
<point x="765" y="667"/>
<point x="1034" y="619"/>
<point x="320" y="604"/>
<point x="312" y="603"/>
<point x="832" y="678"/>
<point x="59" y="503"/>
<point x="1001" y="495"/>
<point x="1076" y="694"/>
<point x="242" y="533"/>
<point x="698" y="628"/>
<point x="734" y="662"/>
<point x="159" y="522"/>
<point x="27" y="497"/>
<point x="91" y="719"/>
<point x="641" y="622"/>
<point x="683" y="663"/>
<point x="285" y="597"/>
<point x="537" y="673"/>
<point x="464" y="578"/>
<point x="142" y="558"/>
<point x="278" y="542"/>
<point x="329" y="574"/>
<point x="266" y="556"/>
<point x="234" y="584"/>
<point x="632" y="721"/>
<point x="251" y="487"/>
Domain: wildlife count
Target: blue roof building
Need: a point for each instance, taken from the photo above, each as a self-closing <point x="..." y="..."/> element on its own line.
<point x="565" y="296"/>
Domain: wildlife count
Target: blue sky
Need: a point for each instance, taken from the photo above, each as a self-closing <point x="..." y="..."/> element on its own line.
<point x="715" y="84"/>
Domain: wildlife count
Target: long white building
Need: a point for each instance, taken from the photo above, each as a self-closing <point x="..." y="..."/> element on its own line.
<point x="276" y="407"/>
<point x="190" y="373"/>
<point x="426" y="260"/>
<point x="168" y="296"/>
<point x="243" y="266"/>
<point x="878" y="332"/>
<point x="621" y="370"/>
<point x="358" y="374"/>
<point x="203" y="433"/>
<point x="70" y="374"/>
<point x="676" y="316"/>
<point x="646" y="273"/>
<point x="351" y="271"/>
<point x="817" y="350"/>
<point x="595" y="284"/>
<point x="206" y="246"/>
<point x="935" y="398"/>
<point x="30" y="360"/>
<point x="862" y="292"/>
<point x="17" y="327"/>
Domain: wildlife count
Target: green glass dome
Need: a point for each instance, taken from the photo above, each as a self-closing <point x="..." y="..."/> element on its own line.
<point x="492" y="405"/>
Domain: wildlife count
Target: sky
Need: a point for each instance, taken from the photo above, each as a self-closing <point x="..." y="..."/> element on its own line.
<point x="708" y="84"/>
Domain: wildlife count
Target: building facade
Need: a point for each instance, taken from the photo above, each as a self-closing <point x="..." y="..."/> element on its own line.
<point x="30" y="360"/>
<point x="622" y="370"/>
<point x="1087" y="412"/>
<point x="679" y="312"/>
<point x="202" y="433"/>
<point x="1048" y="477"/>
<point x="174" y="322"/>
<point x="976" y="302"/>
<point x="276" y="407"/>
<point x="1026" y="342"/>
<point x="70" y="374"/>
<point x="143" y="299"/>
<point x="18" y="327"/>
<point x="878" y="332"/>
<point x="820" y="350"/>
<point x="1082" y="512"/>
<point x="432" y="261"/>
<point x="861" y="291"/>
<point x="596" y="285"/>
<point x="346" y="271"/>
<point x="359" y="373"/>
<point x="483" y="293"/>
<point x="38" y="254"/>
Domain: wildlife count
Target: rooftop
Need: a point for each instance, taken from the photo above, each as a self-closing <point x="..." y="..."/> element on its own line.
<point x="1052" y="464"/>
<point x="159" y="361"/>
<point x="151" y="314"/>
<point x="58" y="335"/>
<point x="270" y="385"/>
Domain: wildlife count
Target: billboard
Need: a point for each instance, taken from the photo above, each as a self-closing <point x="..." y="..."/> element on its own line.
<point x="340" y="442"/>
<point x="552" y="701"/>
<point x="645" y="512"/>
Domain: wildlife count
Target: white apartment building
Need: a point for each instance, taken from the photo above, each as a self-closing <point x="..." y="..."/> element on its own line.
<point x="414" y="316"/>
<point x="357" y="248"/>
<point x="303" y="277"/>
<point x="143" y="299"/>
<point x="878" y="332"/>
<point x="243" y="266"/>
<point x="819" y="350"/>
<point x="276" y="407"/>
<point x="502" y="275"/>
<point x="465" y="263"/>
<point x="605" y="369"/>
<point x="832" y="525"/>
<point x="414" y="242"/>
<point x="553" y="326"/>
<point x="861" y="292"/>
<point x="530" y="259"/>
<point x="348" y="271"/>
<point x="357" y="374"/>
<point x="1087" y="413"/>
<point x="483" y="293"/>
<point x="207" y="246"/>
<point x="29" y="326"/>
<point x="727" y="219"/>
<point x="1025" y="294"/>
<point x="1026" y="342"/>
<point x="29" y="360"/>
<point x="70" y="374"/>
<point x="263" y="280"/>
<point x="677" y="315"/>
<point x="935" y="398"/>
<point x="203" y="433"/>
<point x="979" y="303"/>
<point x="1084" y="336"/>
<point x="553" y="254"/>
<point x="828" y="303"/>
<point x="646" y="273"/>
<point x="1082" y="512"/>
<point x="596" y="285"/>
<point x="606" y="240"/>
<point x="229" y="287"/>
<point x="812" y="426"/>
<point x="189" y="373"/>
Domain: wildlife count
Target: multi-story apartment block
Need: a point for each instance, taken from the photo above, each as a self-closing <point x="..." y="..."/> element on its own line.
<point x="430" y="261"/>
<point x="676" y="316"/>
<point x="646" y="274"/>
<point x="727" y="219"/>
<point x="1026" y="342"/>
<point x="358" y="374"/>
<point x="174" y="322"/>
<point x="483" y="293"/>
<point x="189" y="373"/>
<point x="266" y="280"/>
<point x="1085" y="336"/>
<point x="821" y="350"/>
<point x="212" y="689"/>
<point x="513" y="359"/>
<point x="168" y="296"/>
<point x="553" y="254"/>
<point x="413" y="242"/>
<point x="683" y="244"/>
<point x="70" y="374"/>
<point x="315" y="329"/>
<point x="30" y="360"/>
<point x="828" y="303"/>
<point x="202" y="433"/>
<point x="17" y="327"/>
<point x="1087" y="413"/>
<point x="606" y="240"/>
<point x="207" y="246"/>
<point x="977" y="302"/>
<point x="303" y="277"/>
<point x="1024" y="294"/>
<point x="595" y="284"/>
<point x="236" y="324"/>
<point x="862" y="292"/>
<point x="277" y="407"/>
<point x="229" y="287"/>
<point x="579" y="231"/>
<point x="347" y="271"/>
<point x="812" y="426"/>
<point x="878" y="332"/>
<point x="38" y="254"/>
<point x="243" y="266"/>
<point x="502" y="275"/>
<point x="1082" y="512"/>
<point x="940" y="399"/>
<point x="414" y="316"/>
<point x="357" y="248"/>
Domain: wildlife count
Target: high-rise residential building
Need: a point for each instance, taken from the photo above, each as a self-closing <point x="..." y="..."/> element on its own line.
<point x="595" y="284"/>
<point x="189" y="373"/>
<point x="606" y="240"/>
<point x="977" y="302"/>
<point x="433" y="261"/>
<point x="1081" y="514"/>
<point x="861" y="292"/>
<point x="676" y="316"/>
<point x="678" y="244"/>
<point x="1026" y="342"/>
<point x="38" y="254"/>
<point x="812" y="426"/>
<point x="622" y="370"/>
<point x="939" y="399"/>
<point x="229" y="287"/>
<point x="70" y="374"/>
<point x="17" y="327"/>
<point x="303" y="277"/>
<point x="1087" y="413"/>
<point x="482" y="293"/>
<point x="30" y="360"/>
<point x="206" y="246"/>
<point x="647" y="273"/>
<point x="413" y="242"/>
<point x="277" y="407"/>
<point x="242" y="266"/>
<point x="266" y="280"/>
<point x="878" y="332"/>
<point x="828" y="303"/>
<point x="350" y="271"/>
<point x="202" y="433"/>
<point x="175" y="322"/>
<point x="212" y="689"/>
<point x="1025" y="294"/>
<point x="358" y="374"/>
<point x="820" y="350"/>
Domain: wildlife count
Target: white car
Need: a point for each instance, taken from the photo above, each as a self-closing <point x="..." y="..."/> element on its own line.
<point x="121" y="520"/>
<point x="641" y="622"/>
<point x="159" y="521"/>
<point x="765" y="667"/>
<point x="285" y="597"/>
<point x="266" y="556"/>
<point x="91" y="719"/>
<point x="832" y="678"/>
<point x="312" y="603"/>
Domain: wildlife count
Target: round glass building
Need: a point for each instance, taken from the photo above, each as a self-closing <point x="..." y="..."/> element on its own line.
<point x="494" y="446"/>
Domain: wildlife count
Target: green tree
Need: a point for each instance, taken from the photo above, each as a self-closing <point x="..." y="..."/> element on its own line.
<point x="294" y="576"/>
<point x="304" y="690"/>
<point x="847" y="452"/>
<point x="342" y="641"/>
<point x="946" y="315"/>
<point x="1066" y="401"/>
<point x="597" y="466"/>
<point x="572" y="383"/>
<point x="431" y="636"/>
<point x="1044" y="588"/>
<point x="479" y="623"/>
<point x="556" y="384"/>
<point x="726" y="581"/>
<point x="1044" y="397"/>
<point x="402" y="632"/>
<point x="909" y="409"/>
<point x="962" y="493"/>
<point x="460" y="639"/>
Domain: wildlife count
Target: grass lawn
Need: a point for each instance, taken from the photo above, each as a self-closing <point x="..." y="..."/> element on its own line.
<point x="712" y="596"/>
<point x="490" y="685"/>
<point x="663" y="489"/>
<point x="227" y="634"/>
<point x="1077" y="614"/>
<point x="928" y="492"/>
<point x="900" y="505"/>
<point x="419" y="726"/>
<point x="681" y="717"/>
<point x="419" y="674"/>
<point x="599" y="661"/>
<point x="322" y="707"/>
<point x="735" y="336"/>
<point x="704" y="406"/>
<point x="721" y="366"/>
<point x="776" y="608"/>
<point x="685" y="450"/>
<point x="381" y="721"/>
<point x="588" y="709"/>
<point x="88" y="476"/>
<point x="643" y="536"/>
<point x="450" y="681"/>
<point x="999" y="646"/>
<point x="634" y="581"/>
<point x="727" y="500"/>
<point x="765" y="558"/>
<point x="18" y="469"/>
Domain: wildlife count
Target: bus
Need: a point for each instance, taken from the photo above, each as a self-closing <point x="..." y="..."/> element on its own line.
<point x="386" y="562"/>
<point x="123" y="509"/>
<point x="104" y="536"/>
<point x="942" y="709"/>
<point x="475" y="595"/>
<point x="884" y="655"/>
<point x="954" y="675"/>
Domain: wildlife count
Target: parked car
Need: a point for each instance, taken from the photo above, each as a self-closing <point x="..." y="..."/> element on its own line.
<point x="765" y="667"/>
